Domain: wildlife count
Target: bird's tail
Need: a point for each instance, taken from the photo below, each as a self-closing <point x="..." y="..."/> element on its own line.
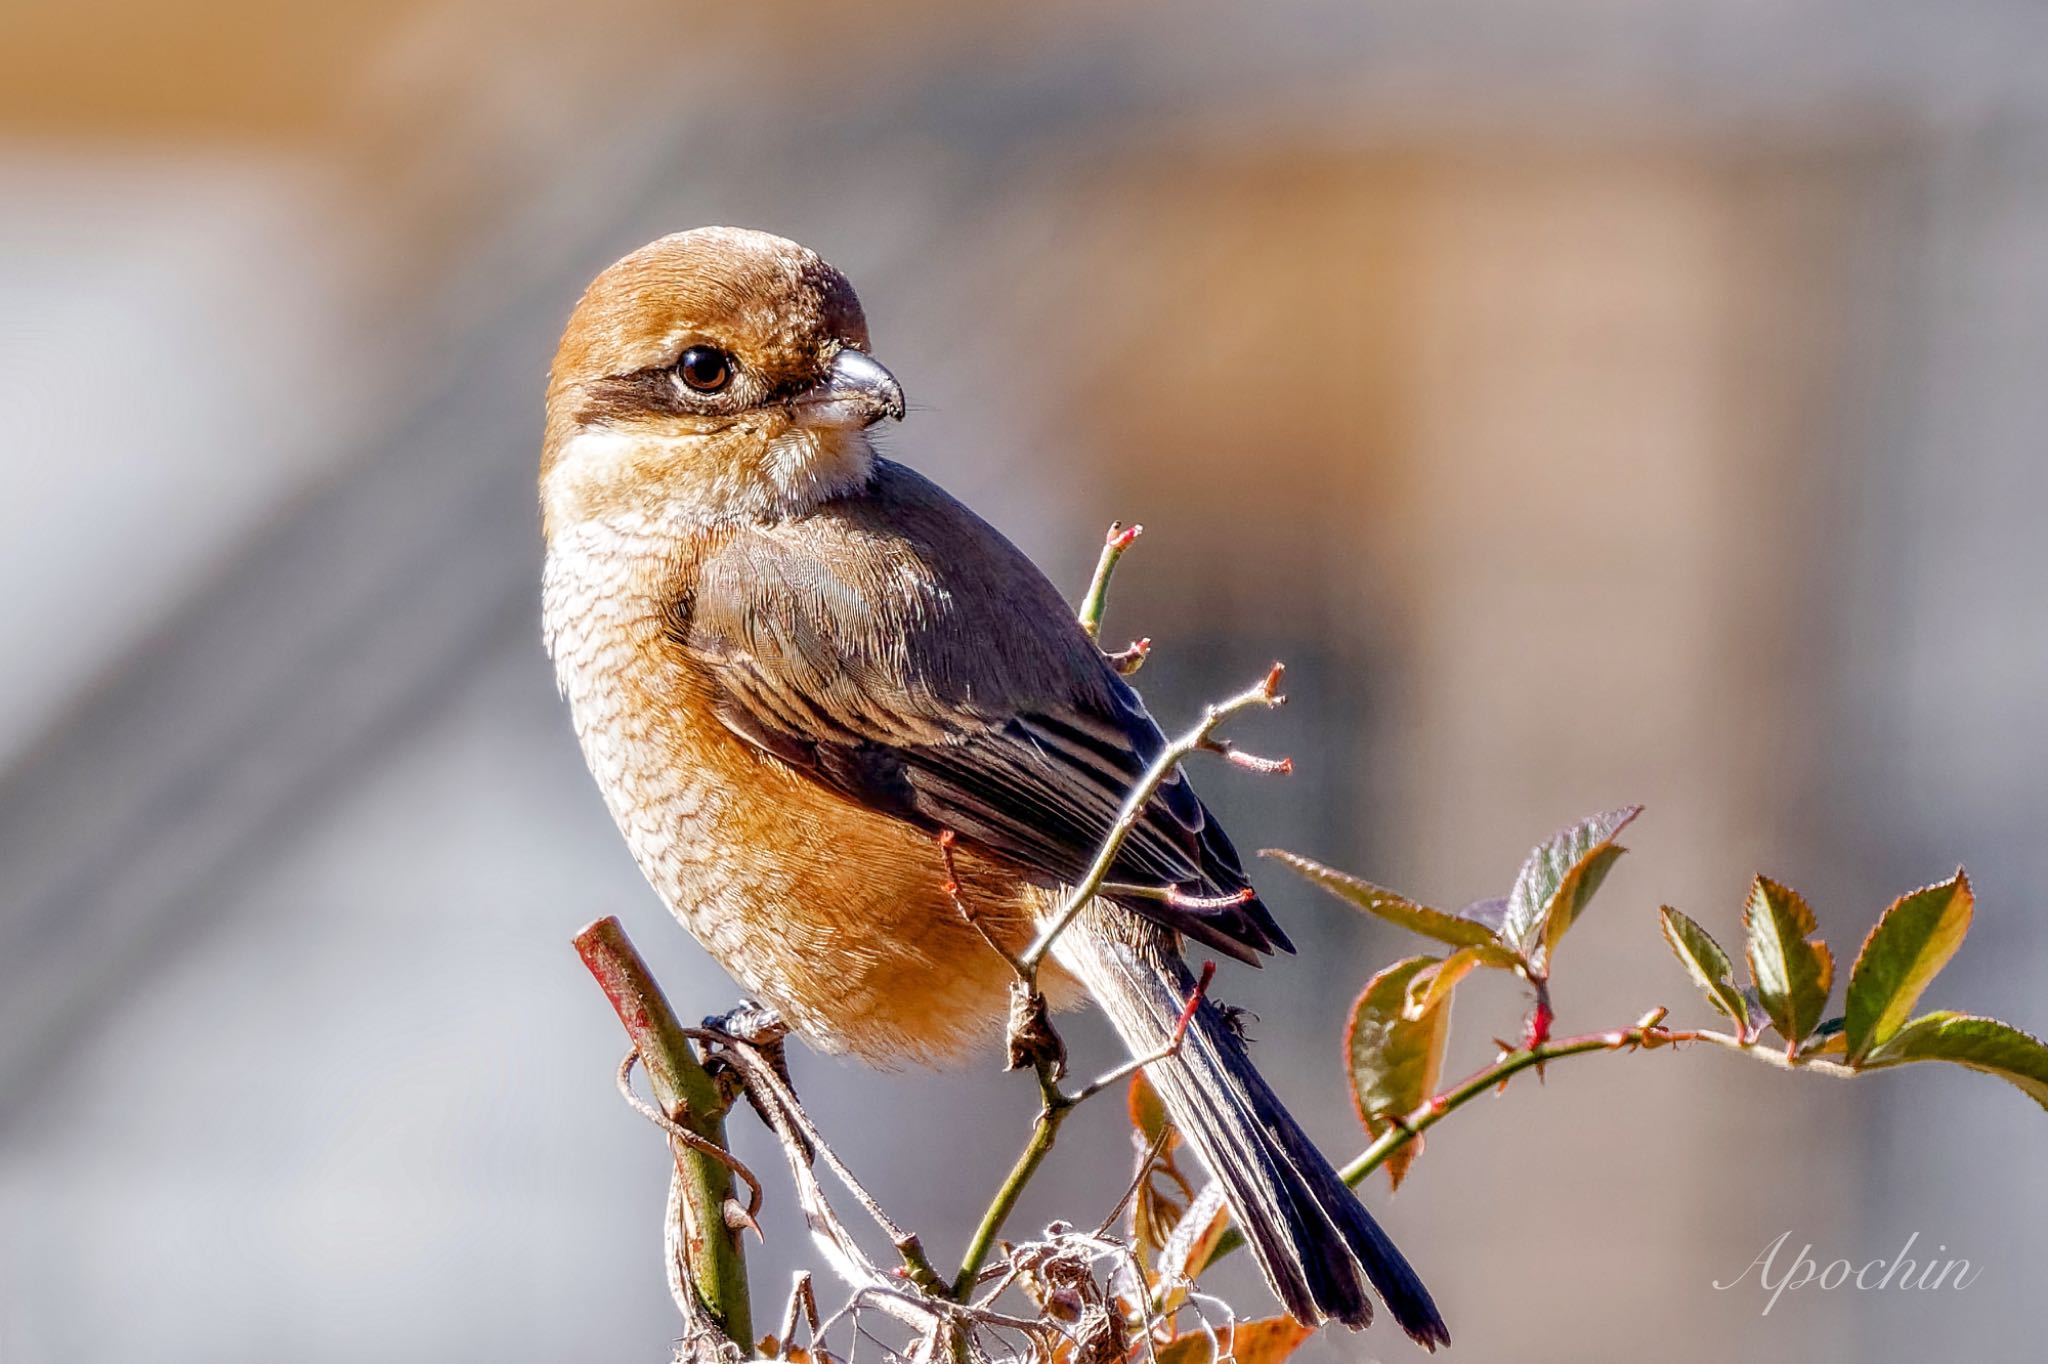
<point x="1316" y="1243"/>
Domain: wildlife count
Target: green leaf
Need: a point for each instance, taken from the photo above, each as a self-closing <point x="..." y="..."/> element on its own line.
<point x="1399" y="909"/>
<point x="1792" y="973"/>
<point x="1394" y="1058"/>
<point x="1912" y="942"/>
<point x="1707" y="964"/>
<point x="1980" y="1043"/>
<point x="1557" y="880"/>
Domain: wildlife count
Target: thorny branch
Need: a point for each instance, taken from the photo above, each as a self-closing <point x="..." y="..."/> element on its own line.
<point x="1266" y="692"/>
<point x="735" y="1216"/>
<point x="1647" y="1035"/>
<point x="702" y="1228"/>
<point x="1054" y="1105"/>
<point x="1033" y="1040"/>
<point x="1096" y="599"/>
<point x="940" y="1320"/>
<point x="801" y="1142"/>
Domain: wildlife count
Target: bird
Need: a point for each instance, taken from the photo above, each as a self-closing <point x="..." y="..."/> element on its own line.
<point x="857" y="742"/>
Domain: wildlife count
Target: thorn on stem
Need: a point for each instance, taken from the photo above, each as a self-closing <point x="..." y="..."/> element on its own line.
<point x="738" y="1218"/>
<point x="1507" y="1049"/>
<point x="1645" y="1032"/>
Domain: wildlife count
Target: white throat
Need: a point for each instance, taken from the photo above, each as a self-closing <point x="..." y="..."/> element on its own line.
<point x="799" y="469"/>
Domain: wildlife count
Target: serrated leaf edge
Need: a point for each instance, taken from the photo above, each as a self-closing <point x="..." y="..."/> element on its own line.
<point x="1534" y="939"/>
<point x="1435" y="924"/>
<point x="1805" y="942"/>
<point x="1959" y="885"/>
<point x="1724" y="995"/>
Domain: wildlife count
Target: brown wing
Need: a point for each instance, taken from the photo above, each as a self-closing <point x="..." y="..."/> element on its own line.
<point x="898" y="650"/>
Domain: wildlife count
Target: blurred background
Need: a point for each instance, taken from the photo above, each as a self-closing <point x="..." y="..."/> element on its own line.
<point x="1591" y="403"/>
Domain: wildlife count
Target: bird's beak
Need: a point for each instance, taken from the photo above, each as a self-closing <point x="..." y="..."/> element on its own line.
<point x="856" y="391"/>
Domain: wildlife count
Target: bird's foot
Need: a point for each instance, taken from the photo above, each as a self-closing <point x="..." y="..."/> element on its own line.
<point x="752" y="1022"/>
<point x="759" y="1026"/>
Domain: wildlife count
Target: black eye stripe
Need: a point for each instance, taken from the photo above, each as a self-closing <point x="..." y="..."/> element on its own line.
<point x="644" y="391"/>
<point x="664" y="389"/>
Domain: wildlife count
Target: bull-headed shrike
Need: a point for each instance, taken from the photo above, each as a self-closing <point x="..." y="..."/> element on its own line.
<point x="792" y="663"/>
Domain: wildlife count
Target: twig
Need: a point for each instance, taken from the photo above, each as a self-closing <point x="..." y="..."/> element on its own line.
<point x="1649" y="1035"/>
<point x="788" y="1116"/>
<point x="1131" y="657"/>
<point x="1045" y="1055"/>
<point x="704" y="1339"/>
<point x="1178" y="898"/>
<point x="1252" y="762"/>
<point x="1173" y="1044"/>
<point x="1114" y="544"/>
<point x="946" y="839"/>
<point x="803" y="1309"/>
<point x="1148" y="1155"/>
<point x="687" y="1095"/>
<point x="1044" y="1130"/>
<point x="1264" y="693"/>
<point x="799" y="1139"/>
<point x="734" y="1215"/>
<point x="1054" y="1105"/>
<point x="927" y="1309"/>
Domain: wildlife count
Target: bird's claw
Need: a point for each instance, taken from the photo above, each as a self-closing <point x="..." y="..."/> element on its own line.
<point x="752" y="1022"/>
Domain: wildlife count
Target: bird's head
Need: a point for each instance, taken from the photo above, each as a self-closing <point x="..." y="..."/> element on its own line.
<point x="711" y="376"/>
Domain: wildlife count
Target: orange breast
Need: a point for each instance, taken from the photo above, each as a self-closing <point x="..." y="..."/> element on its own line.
<point x="834" y="914"/>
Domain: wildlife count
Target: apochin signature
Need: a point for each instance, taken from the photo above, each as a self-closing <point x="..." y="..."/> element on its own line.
<point x="1873" y="1276"/>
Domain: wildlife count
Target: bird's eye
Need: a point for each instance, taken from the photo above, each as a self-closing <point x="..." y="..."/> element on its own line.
<point x="705" y="368"/>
